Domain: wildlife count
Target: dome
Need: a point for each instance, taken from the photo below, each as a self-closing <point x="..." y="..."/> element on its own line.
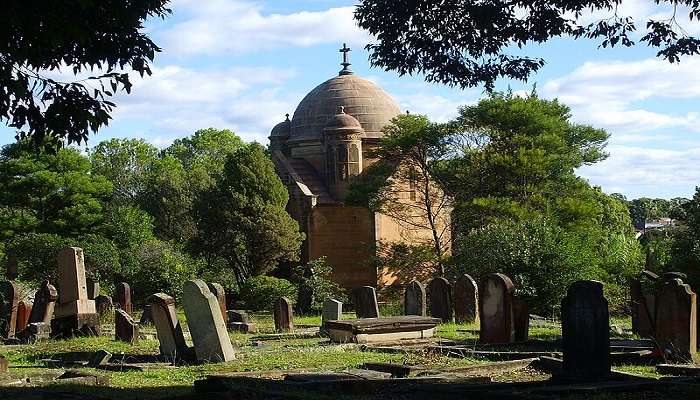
<point x="283" y="129"/>
<point x="342" y="121"/>
<point x="368" y="103"/>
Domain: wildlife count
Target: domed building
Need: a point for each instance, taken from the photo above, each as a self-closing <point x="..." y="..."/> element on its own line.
<point x="326" y="142"/>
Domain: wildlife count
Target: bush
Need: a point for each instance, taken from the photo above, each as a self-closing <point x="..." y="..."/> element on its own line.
<point x="260" y="292"/>
<point x="319" y="283"/>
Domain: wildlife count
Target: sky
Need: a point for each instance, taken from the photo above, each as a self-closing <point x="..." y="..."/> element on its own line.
<point x="241" y="65"/>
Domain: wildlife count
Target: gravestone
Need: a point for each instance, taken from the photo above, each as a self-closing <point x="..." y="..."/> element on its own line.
<point x="676" y="321"/>
<point x="332" y="311"/>
<point x="217" y="290"/>
<point x="44" y="303"/>
<point x="24" y="310"/>
<point x="521" y="320"/>
<point x="239" y="321"/>
<point x="93" y="288"/>
<point x="123" y="300"/>
<point x="75" y="314"/>
<point x="9" y="301"/>
<point x="414" y="299"/>
<point x="170" y="336"/>
<point x="146" y="316"/>
<point x="643" y="303"/>
<point x="496" y="310"/>
<point x="305" y="298"/>
<point x="207" y="328"/>
<point x="104" y="304"/>
<point x="364" y="299"/>
<point x="440" y="297"/>
<point x="466" y="295"/>
<point x="585" y="328"/>
<point x="284" y="319"/>
<point x="125" y="329"/>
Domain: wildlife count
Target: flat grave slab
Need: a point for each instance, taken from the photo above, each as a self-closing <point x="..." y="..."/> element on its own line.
<point x="368" y="330"/>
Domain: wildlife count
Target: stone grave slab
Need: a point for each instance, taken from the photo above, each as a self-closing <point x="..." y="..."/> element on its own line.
<point x="218" y="290"/>
<point x="676" y="324"/>
<point x="364" y="299"/>
<point x="170" y="335"/>
<point x="415" y="299"/>
<point x="440" y="298"/>
<point x="209" y="334"/>
<point x="368" y="330"/>
<point x="125" y="329"/>
<point x="585" y="332"/>
<point x="239" y="321"/>
<point x="75" y="314"/>
<point x="496" y="309"/>
<point x="466" y="300"/>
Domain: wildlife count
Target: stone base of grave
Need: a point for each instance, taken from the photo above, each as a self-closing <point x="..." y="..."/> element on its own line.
<point x="371" y="330"/>
<point x="242" y="327"/>
<point x="76" y="325"/>
<point x="35" y="332"/>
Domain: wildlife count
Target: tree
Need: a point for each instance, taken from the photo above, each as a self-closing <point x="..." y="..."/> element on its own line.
<point x="125" y="162"/>
<point x="39" y="38"/>
<point x="466" y="43"/>
<point x="404" y="182"/>
<point x="685" y="247"/>
<point x="242" y="218"/>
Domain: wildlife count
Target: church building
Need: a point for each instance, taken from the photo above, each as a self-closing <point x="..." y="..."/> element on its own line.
<point x="327" y="142"/>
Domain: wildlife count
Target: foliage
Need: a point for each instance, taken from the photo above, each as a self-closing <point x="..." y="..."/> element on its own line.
<point x="685" y="248"/>
<point x="249" y="228"/>
<point x="644" y="209"/>
<point x="466" y="43"/>
<point x="85" y="36"/>
<point x="319" y="283"/>
<point x="405" y="261"/>
<point x="127" y="226"/>
<point x="125" y="162"/>
<point x="260" y="292"/>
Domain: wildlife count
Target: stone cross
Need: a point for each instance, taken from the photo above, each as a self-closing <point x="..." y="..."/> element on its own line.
<point x="218" y="290"/>
<point x="496" y="310"/>
<point x="9" y="291"/>
<point x="75" y="312"/>
<point x="364" y="299"/>
<point x="170" y="336"/>
<point x="521" y="320"/>
<point x="209" y="334"/>
<point x="44" y="303"/>
<point x="414" y="300"/>
<point x="125" y="329"/>
<point x="332" y="311"/>
<point x="93" y="288"/>
<point x="466" y="295"/>
<point x="123" y="300"/>
<point x="346" y="62"/>
<point x="440" y="297"/>
<point x="676" y="321"/>
<point x="585" y="329"/>
<point x="284" y="318"/>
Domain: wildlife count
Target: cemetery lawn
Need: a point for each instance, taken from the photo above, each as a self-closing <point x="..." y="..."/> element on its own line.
<point x="261" y="352"/>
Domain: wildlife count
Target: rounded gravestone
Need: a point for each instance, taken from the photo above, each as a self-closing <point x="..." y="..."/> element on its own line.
<point x="414" y="299"/>
<point x="466" y="296"/>
<point x="496" y="309"/>
<point x="440" y="297"/>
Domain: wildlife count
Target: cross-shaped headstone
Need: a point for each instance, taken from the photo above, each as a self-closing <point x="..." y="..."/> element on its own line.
<point x="345" y="63"/>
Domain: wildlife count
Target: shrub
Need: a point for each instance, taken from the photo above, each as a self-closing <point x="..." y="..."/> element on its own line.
<point x="260" y="292"/>
<point x="318" y="283"/>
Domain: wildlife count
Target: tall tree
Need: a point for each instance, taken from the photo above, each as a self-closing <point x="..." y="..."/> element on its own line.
<point x="467" y="43"/>
<point x="37" y="38"/>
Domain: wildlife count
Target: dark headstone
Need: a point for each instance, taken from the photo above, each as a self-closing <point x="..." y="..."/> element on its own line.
<point x="217" y="290"/>
<point x="170" y="336"/>
<point x="146" y="316"/>
<point x="364" y="299"/>
<point x="238" y="316"/>
<point x="440" y="297"/>
<point x="585" y="332"/>
<point x="125" y="329"/>
<point x="11" y="271"/>
<point x="44" y="303"/>
<point x="93" y="288"/>
<point x="9" y="301"/>
<point x="104" y="304"/>
<point x="643" y="303"/>
<point x="496" y="309"/>
<point x="305" y="298"/>
<point x="284" y="319"/>
<point x="466" y="296"/>
<point x="676" y="324"/>
<point x="521" y="320"/>
<point x="414" y="300"/>
<point x="123" y="300"/>
<point x="24" y="310"/>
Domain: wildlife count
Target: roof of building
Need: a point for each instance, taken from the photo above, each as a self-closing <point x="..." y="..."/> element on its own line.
<point x="283" y="129"/>
<point x="342" y="122"/>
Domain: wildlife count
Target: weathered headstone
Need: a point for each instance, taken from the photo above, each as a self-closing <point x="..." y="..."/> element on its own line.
<point x="93" y="288"/>
<point x="104" y="304"/>
<point x="209" y="334"/>
<point x="466" y="296"/>
<point x="44" y="303"/>
<point x="414" y="299"/>
<point x="36" y="331"/>
<point x="284" y="318"/>
<point x="125" y="329"/>
<point x="676" y="324"/>
<point x="239" y="321"/>
<point x="643" y="303"/>
<point x="75" y="314"/>
<point x="496" y="309"/>
<point x="123" y="300"/>
<point x="24" y="310"/>
<point x="9" y="301"/>
<point x="217" y="290"/>
<point x="585" y="328"/>
<point x="440" y="297"/>
<point x="364" y="299"/>
<point x="521" y="320"/>
<point x="170" y="336"/>
<point x="332" y="311"/>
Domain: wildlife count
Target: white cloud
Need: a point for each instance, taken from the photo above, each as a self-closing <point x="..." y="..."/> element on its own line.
<point x="237" y="26"/>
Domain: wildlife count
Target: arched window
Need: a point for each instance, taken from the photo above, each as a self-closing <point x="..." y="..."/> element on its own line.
<point x="341" y="160"/>
<point x="354" y="160"/>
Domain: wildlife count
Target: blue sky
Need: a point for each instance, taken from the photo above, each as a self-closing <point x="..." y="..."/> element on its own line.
<point x="242" y="65"/>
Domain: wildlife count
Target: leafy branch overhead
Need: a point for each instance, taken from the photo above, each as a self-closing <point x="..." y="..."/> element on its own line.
<point x="40" y="39"/>
<point x="468" y="43"/>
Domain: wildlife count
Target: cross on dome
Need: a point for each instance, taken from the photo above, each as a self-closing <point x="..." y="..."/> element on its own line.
<point x="346" y="64"/>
